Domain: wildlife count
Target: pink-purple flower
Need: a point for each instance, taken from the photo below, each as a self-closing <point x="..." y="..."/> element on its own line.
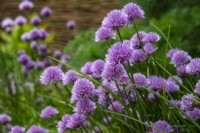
<point x="103" y="34"/>
<point x="48" y="112"/>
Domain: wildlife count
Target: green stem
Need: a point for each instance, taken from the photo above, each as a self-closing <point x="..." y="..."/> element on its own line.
<point x="119" y="35"/>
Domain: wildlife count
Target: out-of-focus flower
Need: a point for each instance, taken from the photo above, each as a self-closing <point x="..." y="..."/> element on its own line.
<point x="193" y="68"/>
<point x="23" y="59"/>
<point x="85" y="107"/>
<point x="49" y="112"/>
<point x="116" y="107"/>
<point x="140" y="79"/>
<point x="36" y="129"/>
<point x="76" y="120"/>
<point x="176" y="102"/>
<point x="197" y="88"/>
<point x="149" y="48"/>
<point x="62" y="125"/>
<point x="4" y="118"/>
<point x="180" y="58"/>
<point x="51" y="75"/>
<point x="97" y="68"/>
<point x="7" y="22"/>
<point x="181" y="70"/>
<point x="34" y="45"/>
<point x="138" y="55"/>
<point x="36" y="21"/>
<point x="69" y="77"/>
<point x="157" y="83"/>
<point x="30" y="64"/>
<point x="103" y="34"/>
<point x="162" y="125"/>
<point x="71" y="24"/>
<point x="86" y="69"/>
<point x="187" y="102"/>
<point x="151" y="37"/>
<point x="25" y="37"/>
<point x="171" y="53"/>
<point x="57" y="53"/>
<point x="194" y="114"/>
<point x="26" y="5"/>
<point x="45" y="12"/>
<point x="17" y="129"/>
<point x="20" y="20"/>
<point x="171" y="87"/>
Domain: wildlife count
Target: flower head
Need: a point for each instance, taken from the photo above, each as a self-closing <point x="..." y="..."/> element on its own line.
<point x="45" y="12"/>
<point x="62" y="125"/>
<point x="194" y="114"/>
<point x="162" y="125"/>
<point x="171" y="86"/>
<point x="4" y="118"/>
<point x="57" y="53"/>
<point x="176" y="102"/>
<point x="76" y="120"/>
<point x="7" y="22"/>
<point x="171" y="53"/>
<point x="138" y="55"/>
<point x="17" y="129"/>
<point x="36" y="129"/>
<point x="149" y="48"/>
<point x="140" y="79"/>
<point x="69" y="77"/>
<point x="116" y="106"/>
<point x="187" y="102"/>
<point x="23" y="59"/>
<point x="51" y="75"/>
<point x="197" y="88"/>
<point x="115" y="19"/>
<point x="157" y="83"/>
<point x="180" y="58"/>
<point x="20" y="20"/>
<point x="103" y="34"/>
<point x="175" y="79"/>
<point x="86" y="69"/>
<point x="26" y="5"/>
<point x="49" y="112"/>
<point x="85" y="107"/>
<point x="193" y="68"/>
<point x="82" y="89"/>
<point x="151" y="37"/>
<point x="30" y="65"/>
<point x="36" y="21"/>
<point x="71" y="24"/>
<point x="135" y="41"/>
<point x="133" y="11"/>
<point x="181" y="70"/>
<point x="25" y="37"/>
<point x="97" y="68"/>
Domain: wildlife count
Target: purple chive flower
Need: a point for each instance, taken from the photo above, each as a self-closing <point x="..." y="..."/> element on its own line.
<point x="43" y="34"/>
<point x="30" y="64"/>
<point x="34" y="45"/>
<point x="48" y="112"/>
<point x="69" y="77"/>
<point x="193" y="68"/>
<point x="103" y="34"/>
<point x="162" y="125"/>
<point x="21" y="52"/>
<point x="20" y="20"/>
<point x="76" y="120"/>
<point x="171" y="53"/>
<point x="176" y="102"/>
<point x="187" y="102"/>
<point x="113" y="72"/>
<point x="140" y="79"/>
<point x="152" y="97"/>
<point x="4" y="118"/>
<point x="57" y="53"/>
<point x="36" y="21"/>
<point x="116" y="106"/>
<point x="133" y="11"/>
<point x="17" y="129"/>
<point x="34" y="34"/>
<point x="85" y="107"/>
<point x="36" y="129"/>
<point x="45" y="12"/>
<point x="23" y="59"/>
<point x="71" y="24"/>
<point x="86" y="69"/>
<point x="181" y="70"/>
<point x="157" y="83"/>
<point x="26" y="5"/>
<point x="97" y="68"/>
<point x="62" y="125"/>
<point x="149" y="48"/>
<point x="8" y="30"/>
<point x="7" y="22"/>
<point x="138" y="55"/>
<point x="194" y="114"/>
<point x="175" y="79"/>
<point x="25" y="37"/>
<point x="171" y="87"/>
<point x="115" y="19"/>
<point x="82" y="89"/>
<point x="51" y="75"/>
<point x="135" y="41"/>
<point x="119" y="53"/>
<point x="151" y="37"/>
<point x="197" y="88"/>
<point x="110" y="85"/>
<point x="180" y="58"/>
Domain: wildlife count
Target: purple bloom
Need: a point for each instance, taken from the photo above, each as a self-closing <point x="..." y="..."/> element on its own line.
<point x="20" y="20"/>
<point x="71" y="24"/>
<point x="113" y="72"/>
<point x="180" y="58"/>
<point x="187" y="102"/>
<point x="157" y="83"/>
<point x="135" y="42"/>
<point x="45" y="12"/>
<point x="116" y="106"/>
<point x="152" y="97"/>
<point x="69" y="77"/>
<point x="76" y="120"/>
<point x="197" y="88"/>
<point x="171" y="53"/>
<point x="25" y="37"/>
<point x="162" y="125"/>
<point x="103" y="34"/>
<point x="48" y="112"/>
<point x="194" y="114"/>
<point x="82" y="89"/>
<point x="97" y="68"/>
<point x="138" y="55"/>
<point x="181" y="70"/>
<point x="133" y="11"/>
<point x="149" y="48"/>
<point x="21" y="52"/>
<point x="34" y="34"/>
<point x="85" y="107"/>
<point x="140" y="79"/>
<point x="36" y="129"/>
<point x="43" y="34"/>
<point x="115" y="19"/>
<point x="36" y="21"/>
<point x="4" y="118"/>
<point x="171" y="87"/>
<point x="175" y="79"/>
<point x="62" y="125"/>
<point x="23" y="59"/>
<point x="30" y="64"/>
<point x="34" y="45"/>
<point x="151" y="37"/>
<point x="193" y="68"/>
<point x="176" y="102"/>
<point x="86" y="69"/>
<point x="119" y="53"/>
<point x="51" y="75"/>
<point x="17" y="129"/>
<point x="109" y="85"/>
<point x="7" y="22"/>
<point x="26" y="5"/>
<point x="57" y="53"/>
